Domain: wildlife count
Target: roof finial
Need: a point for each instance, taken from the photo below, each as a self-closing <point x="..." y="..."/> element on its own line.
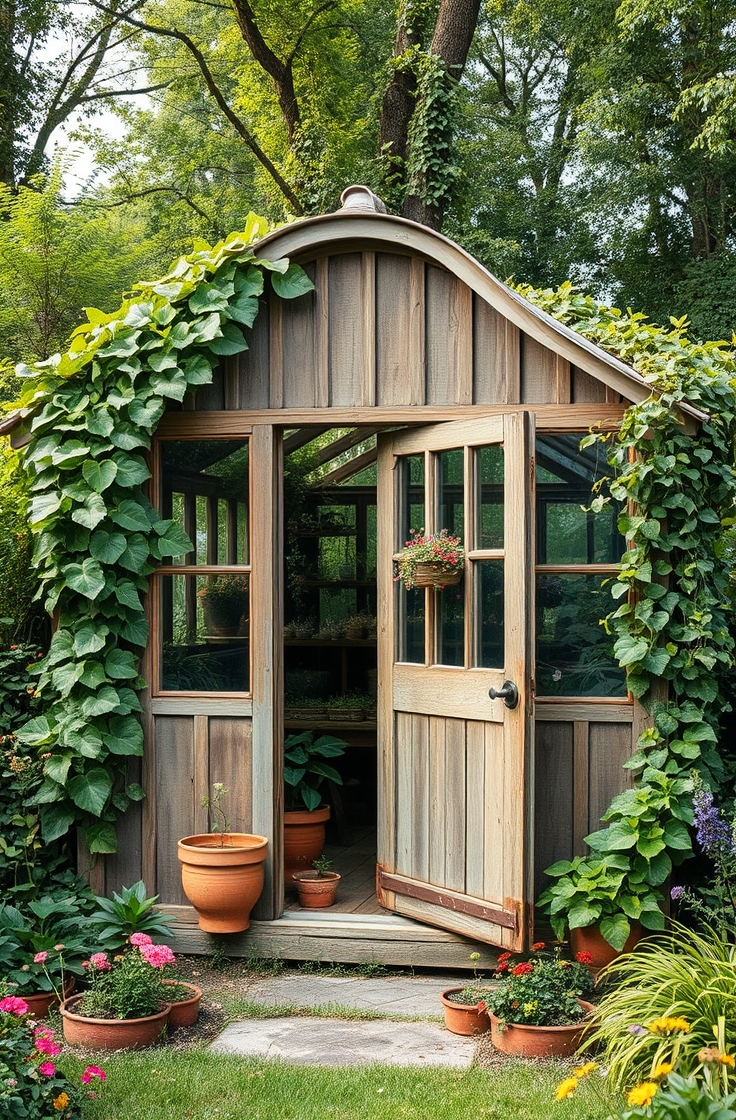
<point x="362" y="198"/>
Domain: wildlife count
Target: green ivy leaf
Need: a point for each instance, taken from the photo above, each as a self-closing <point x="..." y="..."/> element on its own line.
<point x="89" y="638"/>
<point x="106" y="700"/>
<point x="100" y="838"/>
<point x="132" y="471"/>
<point x="131" y="515"/>
<point x="292" y="283"/>
<point x="125" y="736"/>
<point x="90" y="790"/>
<point x="136" y="553"/>
<point x="91" y="513"/>
<point x="232" y="341"/>
<point x="56" y="820"/>
<point x="615" y="930"/>
<point x="35" y="733"/>
<point x="99" y="475"/>
<point x="120" y="664"/>
<point x="107" y="547"/>
<point x="86" y="578"/>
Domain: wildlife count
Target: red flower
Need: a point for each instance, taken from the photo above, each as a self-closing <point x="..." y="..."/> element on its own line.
<point x="522" y="969"/>
<point x="584" y="957"/>
<point x="503" y="957"/>
<point x="537" y="946"/>
<point x="503" y="967"/>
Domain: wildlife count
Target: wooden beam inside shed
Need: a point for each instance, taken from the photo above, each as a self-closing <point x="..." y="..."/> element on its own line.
<point x="344" y="443"/>
<point x="347" y="470"/>
<point x="301" y="437"/>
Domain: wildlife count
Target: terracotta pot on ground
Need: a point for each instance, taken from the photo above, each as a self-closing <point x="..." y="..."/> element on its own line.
<point x="184" y="1012"/>
<point x="525" y="1041"/>
<point x="589" y="939"/>
<point x="315" y="890"/>
<point x="223" y="881"/>
<point x="464" y="1018"/>
<point x="304" y="839"/>
<point x="111" y="1034"/>
<point x="40" y="1003"/>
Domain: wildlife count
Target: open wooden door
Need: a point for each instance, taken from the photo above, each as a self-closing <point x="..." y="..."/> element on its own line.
<point x="455" y="769"/>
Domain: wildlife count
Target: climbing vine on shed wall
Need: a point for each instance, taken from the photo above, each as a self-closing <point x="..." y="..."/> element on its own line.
<point x="97" y="538"/>
<point x="670" y="623"/>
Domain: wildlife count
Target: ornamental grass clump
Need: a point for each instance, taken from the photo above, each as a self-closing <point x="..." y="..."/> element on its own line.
<point x="544" y="991"/>
<point x="130" y="986"/>
<point x="443" y="551"/>
<point x="664" y="1003"/>
<point x="31" y="1085"/>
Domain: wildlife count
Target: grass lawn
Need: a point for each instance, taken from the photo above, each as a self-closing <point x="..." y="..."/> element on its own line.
<point x="195" y="1085"/>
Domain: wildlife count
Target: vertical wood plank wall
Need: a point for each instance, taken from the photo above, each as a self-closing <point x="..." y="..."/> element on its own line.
<point x="385" y="329"/>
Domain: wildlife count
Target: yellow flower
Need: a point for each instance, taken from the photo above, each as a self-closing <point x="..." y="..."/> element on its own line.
<point x="61" y="1102"/>
<point x="643" y="1094"/>
<point x="727" y="1060"/>
<point x="662" y="1070"/>
<point x="665" y="1025"/>
<point x="565" y="1088"/>
<point x="583" y="1071"/>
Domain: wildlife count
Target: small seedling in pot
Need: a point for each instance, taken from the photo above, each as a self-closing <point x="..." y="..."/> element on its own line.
<point x="322" y="866"/>
<point x="213" y="804"/>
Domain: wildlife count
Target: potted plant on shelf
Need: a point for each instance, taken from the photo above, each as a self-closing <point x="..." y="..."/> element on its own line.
<point x="42" y="946"/>
<point x="126" y="1005"/>
<point x="538" y="1011"/>
<point x="596" y="899"/>
<point x="430" y="561"/>
<point x="224" y="602"/>
<point x="317" y="887"/>
<point x="349" y="707"/>
<point x="222" y="871"/>
<point x="305" y="770"/>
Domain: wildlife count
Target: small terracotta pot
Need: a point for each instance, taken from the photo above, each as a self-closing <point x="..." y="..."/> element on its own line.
<point x="589" y="939"/>
<point x="526" y="1041"/>
<point x="315" y="890"/>
<point x="223" y="881"/>
<point x="40" y="1003"/>
<point x="184" y="1012"/>
<point x="112" y="1034"/>
<point x="304" y="839"/>
<point x="464" y="1018"/>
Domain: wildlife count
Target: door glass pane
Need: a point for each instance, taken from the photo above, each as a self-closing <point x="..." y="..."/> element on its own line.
<point x="489" y="613"/>
<point x="205" y="631"/>
<point x="204" y="485"/>
<point x="489" y="467"/>
<point x="412" y="607"/>
<point x="566" y="534"/>
<point x="451" y="494"/>
<point x="574" y="653"/>
<point x="450" y="614"/>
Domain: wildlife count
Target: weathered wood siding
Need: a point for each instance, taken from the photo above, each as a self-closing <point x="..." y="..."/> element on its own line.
<point x="391" y="330"/>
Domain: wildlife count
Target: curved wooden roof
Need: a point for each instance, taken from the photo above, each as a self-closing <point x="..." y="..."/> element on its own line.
<point x="356" y="229"/>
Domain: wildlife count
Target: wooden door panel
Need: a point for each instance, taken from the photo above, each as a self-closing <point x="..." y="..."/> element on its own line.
<point x="461" y="693"/>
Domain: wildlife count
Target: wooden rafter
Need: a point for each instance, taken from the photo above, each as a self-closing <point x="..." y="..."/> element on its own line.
<point x="344" y="443"/>
<point x="301" y="437"/>
<point x="347" y="470"/>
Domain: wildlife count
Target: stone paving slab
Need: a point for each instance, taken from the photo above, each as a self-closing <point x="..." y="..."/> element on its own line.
<point x="337" y="1042"/>
<point x="391" y="995"/>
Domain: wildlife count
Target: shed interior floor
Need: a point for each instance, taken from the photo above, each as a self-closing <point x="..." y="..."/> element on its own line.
<point x="356" y="863"/>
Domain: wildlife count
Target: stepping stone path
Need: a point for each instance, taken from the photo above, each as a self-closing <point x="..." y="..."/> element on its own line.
<point x="339" y="1042"/>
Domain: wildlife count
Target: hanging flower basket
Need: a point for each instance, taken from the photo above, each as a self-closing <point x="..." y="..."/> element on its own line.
<point x="434" y="561"/>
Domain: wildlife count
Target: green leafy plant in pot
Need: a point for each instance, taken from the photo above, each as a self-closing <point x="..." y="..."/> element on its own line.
<point x="224" y="602"/>
<point x="305" y="769"/>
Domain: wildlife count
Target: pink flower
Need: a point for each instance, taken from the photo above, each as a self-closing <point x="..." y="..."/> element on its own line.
<point x="43" y="1032"/>
<point x="14" y="1005"/>
<point x="584" y="957"/>
<point x="157" y="955"/>
<point x="100" y="962"/>
<point x="48" y="1069"/>
<point x="48" y="1046"/>
<point x="40" y="958"/>
<point x="58" y="948"/>
<point x="141" y="939"/>
<point x="93" y="1071"/>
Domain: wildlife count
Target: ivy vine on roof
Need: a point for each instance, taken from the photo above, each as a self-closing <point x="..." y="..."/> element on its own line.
<point x="97" y="537"/>
<point x="671" y="622"/>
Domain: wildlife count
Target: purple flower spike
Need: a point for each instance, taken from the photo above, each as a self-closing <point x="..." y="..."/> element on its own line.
<point x="713" y="832"/>
<point x="676" y="892"/>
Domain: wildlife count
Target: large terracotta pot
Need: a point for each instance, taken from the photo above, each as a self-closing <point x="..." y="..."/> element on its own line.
<point x="315" y="890"/>
<point x="464" y="1018"/>
<point x="184" y="1012"/>
<point x="40" y="1003"/>
<point x="526" y="1041"/>
<point x="589" y="939"/>
<point x="304" y="839"/>
<point x="111" y="1034"/>
<point x="223" y="880"/>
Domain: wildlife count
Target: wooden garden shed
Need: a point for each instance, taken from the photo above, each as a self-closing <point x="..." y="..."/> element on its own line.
<point x="409" y="389"/>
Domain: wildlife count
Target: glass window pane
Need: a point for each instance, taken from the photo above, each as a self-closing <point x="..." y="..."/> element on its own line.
<point x="450" y="613"/>
<point x="411" y="629"/>
<point x="412" y="497"/>
<point x="489" y="613"/>
<point x="371" y="541"/>
<point x="205" y="487"/>
<point x="566" y="534"/>
<point x="451" y="479"/>
<point x="574" y="653"/>
<point x="489" y="465"/>
<point x="205" y="629"/>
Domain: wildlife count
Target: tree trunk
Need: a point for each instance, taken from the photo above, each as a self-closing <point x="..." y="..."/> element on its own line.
<point x="453" y="33"/>
<point x="8" y="93"/>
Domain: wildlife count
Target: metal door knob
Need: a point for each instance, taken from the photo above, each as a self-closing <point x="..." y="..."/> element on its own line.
<point x="509" y="694"/>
